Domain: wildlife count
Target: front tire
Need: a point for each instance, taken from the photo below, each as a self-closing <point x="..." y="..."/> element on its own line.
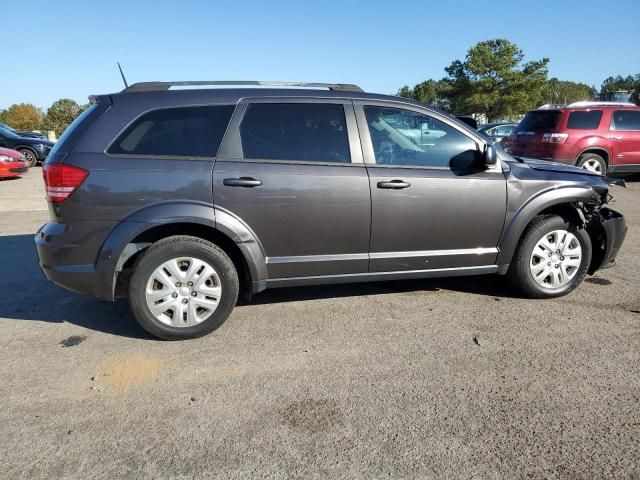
<point x="29" y="156"/>
<point x="593" y="162"/>
<point x="183" y="287"/>
<point x="552" y="258"/>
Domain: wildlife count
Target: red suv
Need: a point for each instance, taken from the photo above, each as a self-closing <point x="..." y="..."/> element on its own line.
<point x="599" y="136"/>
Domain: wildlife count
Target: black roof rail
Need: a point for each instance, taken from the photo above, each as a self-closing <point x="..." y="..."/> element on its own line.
<point x="155" y="86"/>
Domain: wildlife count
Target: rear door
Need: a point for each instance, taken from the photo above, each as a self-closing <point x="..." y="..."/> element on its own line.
<point x="433" y="207"/>
<point x="292" y="170"/>
<point x="625" y="138"/>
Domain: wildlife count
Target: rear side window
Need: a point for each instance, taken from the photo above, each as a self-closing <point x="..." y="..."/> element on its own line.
<point x="539" y="120"/>
<point x="584" y="119"/>
<point x="176" y="132"/>
<point x="295" y="131"/>
<point x="625" y="120"/>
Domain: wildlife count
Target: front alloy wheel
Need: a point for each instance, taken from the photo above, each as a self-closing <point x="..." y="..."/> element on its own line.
<point x="552" y="257"/>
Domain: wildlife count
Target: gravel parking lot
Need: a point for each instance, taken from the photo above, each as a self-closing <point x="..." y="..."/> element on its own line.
<point x="414" y="379"/>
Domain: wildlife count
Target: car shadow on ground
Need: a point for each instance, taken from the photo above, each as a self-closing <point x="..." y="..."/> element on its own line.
<point x="28" y="295"/>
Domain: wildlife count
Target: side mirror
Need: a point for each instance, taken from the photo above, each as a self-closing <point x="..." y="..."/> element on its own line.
<point x="490" y="156"/>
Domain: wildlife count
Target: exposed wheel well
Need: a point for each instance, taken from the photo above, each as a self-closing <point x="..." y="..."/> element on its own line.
<point x="598" y="151"/>
<point x="571" y="213"/>
<point x="192" y="229"/>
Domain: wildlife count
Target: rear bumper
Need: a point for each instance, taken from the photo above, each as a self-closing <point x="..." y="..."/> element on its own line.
<point x="59" y="247"/>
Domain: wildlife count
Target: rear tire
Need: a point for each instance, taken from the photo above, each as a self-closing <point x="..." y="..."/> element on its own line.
<point x="593" y="162"/>
<point x="544" y="266"/>
<point x="191" y="284"/>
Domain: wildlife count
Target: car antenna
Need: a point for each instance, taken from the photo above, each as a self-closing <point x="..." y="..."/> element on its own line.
<point x="126" y="85"/>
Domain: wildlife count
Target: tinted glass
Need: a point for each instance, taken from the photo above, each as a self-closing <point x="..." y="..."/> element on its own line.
<point x="625" y="120"/>
<point x="539" y="120"/>
<point x="185" y="132"/>
<point x="295" y="131"/>
<point x="584" y="119"/>
<point x="402" y="137"/>
<point x="504" y="130"/>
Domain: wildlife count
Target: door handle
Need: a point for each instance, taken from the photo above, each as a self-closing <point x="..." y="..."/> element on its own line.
<point x="247" y="182"/>
<point x="394" y="184"/>
<point x="617" y="137"/>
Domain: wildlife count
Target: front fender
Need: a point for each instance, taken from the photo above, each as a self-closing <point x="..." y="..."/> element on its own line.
<point x="518" y="221"/>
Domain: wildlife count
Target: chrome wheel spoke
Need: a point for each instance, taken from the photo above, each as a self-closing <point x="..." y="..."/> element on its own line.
<point x="183" y="292"/>
<point x="555" y="259"/>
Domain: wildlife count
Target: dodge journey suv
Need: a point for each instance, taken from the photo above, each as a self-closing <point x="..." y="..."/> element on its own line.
<point x="598" y="136"/>
<point x="182" y="200"/>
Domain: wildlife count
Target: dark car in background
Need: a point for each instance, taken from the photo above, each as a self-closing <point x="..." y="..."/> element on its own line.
<point x="24" y="133"/>
<point x="183" y="200"/>
<point x="599" y="136"/>
<point x="497" y="131"/>
<point x="35" y="150"/>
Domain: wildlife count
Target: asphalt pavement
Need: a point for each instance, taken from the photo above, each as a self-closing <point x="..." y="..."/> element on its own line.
<point x="449" y="378"/>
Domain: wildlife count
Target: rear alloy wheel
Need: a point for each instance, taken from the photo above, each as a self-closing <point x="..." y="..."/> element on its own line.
<point x="29" y="156"/>
<point x="183" y="287"/>
<point x="593" y="162"/>
<point x="552" y="258"/>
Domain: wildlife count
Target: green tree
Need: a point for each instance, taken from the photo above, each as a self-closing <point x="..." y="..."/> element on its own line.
<point x="429" y="91"/>
<point x="494" y="81"/>
<point x="561" y="91"/>
<point x="3" y="116"/>
<point x="24" y="116"/>
<point x="60" y="114"/>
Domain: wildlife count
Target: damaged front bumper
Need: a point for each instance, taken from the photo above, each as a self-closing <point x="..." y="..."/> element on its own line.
<point x="608" y="228"/>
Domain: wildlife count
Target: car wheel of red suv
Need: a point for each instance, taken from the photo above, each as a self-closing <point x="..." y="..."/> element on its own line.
<point x="593" y="162"/>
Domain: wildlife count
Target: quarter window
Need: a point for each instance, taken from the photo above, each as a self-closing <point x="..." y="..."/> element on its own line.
<point x="584" y="119"/>
<point x="625" y="120"/>
<point x="295" y="131"/>
<point x="184" y="132"/>
<point x="405" y="138"/>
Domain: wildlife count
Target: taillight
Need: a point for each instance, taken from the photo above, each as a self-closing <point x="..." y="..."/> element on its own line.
<point x="555" y="137"/>
<point x="60" y="180"/>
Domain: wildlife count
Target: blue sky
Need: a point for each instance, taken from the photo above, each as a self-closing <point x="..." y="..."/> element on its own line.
<point x="71" y="50"/>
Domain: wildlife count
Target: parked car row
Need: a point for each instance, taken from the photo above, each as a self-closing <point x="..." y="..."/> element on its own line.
<point x="24" y="133"/>
<point x="34" y="149"/>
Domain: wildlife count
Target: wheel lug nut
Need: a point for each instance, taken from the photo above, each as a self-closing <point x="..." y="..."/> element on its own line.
<point x="178" y="284"/>
<point x="557" y="265"/>
<point x="184" y="300"/>
<point x="557" y="251"/>
<point x="561" y="258"/>
<point x="174" y="295"/>
<point x="194" y="294"/>
<point x="548" y="264"/>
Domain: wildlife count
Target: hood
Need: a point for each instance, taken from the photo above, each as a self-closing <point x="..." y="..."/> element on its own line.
<point x="35" y="141"/>
<point x="11" y="153"/>
<point x="548" y="166"/>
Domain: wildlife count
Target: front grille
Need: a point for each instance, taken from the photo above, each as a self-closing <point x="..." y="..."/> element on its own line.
<point x="18" y="170"/>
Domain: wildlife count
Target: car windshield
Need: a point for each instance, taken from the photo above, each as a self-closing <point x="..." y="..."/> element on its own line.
<point x="539" y="120"/>
<point x="8" y="133"/>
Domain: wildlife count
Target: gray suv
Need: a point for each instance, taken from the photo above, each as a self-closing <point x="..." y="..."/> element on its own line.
<point x="182" y="200"/>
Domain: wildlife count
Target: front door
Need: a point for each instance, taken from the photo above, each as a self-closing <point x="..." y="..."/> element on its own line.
<point x="625" y="138"/>
<point x="293" y="172"/>
<point x="433" y="207"/>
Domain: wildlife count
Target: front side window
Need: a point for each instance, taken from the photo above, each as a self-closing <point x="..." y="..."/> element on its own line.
<point x="405" y="138"/>
<point x="625" y="120"/>
<point x="312" y="132"/>
<point x="504" y="130"/>
<point x="584" y="119"/>
<point x="182" y="132"/>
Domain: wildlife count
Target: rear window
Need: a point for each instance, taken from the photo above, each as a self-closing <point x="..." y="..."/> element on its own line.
<point x="176" y="132"/>
<point x="295" y="131"/>
<point x="625" y="120"/>
<point x="539" y="120"/>
<point x="584" y="119"/>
